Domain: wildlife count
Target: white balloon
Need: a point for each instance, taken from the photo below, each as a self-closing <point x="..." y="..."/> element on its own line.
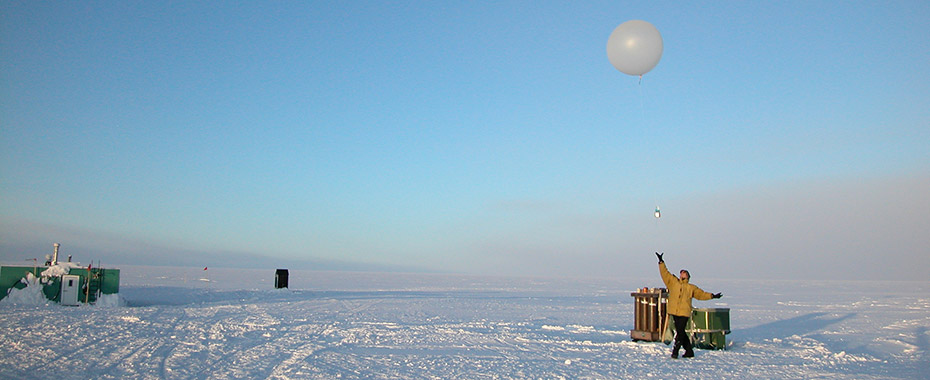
<point x="634" y="47"/>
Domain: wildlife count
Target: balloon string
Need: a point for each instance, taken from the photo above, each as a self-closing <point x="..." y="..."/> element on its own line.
<point x="650" y="162"/>
<point x="642" y="103"/>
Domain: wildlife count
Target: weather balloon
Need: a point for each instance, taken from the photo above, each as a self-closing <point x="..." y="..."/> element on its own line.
<point x="634" y="47"/>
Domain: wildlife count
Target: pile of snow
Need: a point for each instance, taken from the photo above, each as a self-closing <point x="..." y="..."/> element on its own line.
<point x="30" y="295"/>
<point x="110" y="300"/>
<point x="59" y="269"/>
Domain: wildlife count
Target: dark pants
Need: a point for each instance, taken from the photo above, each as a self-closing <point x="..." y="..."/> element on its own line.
<point x="681" y="337"/>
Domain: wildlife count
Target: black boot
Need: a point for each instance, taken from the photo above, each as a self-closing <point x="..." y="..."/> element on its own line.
<point x="675" y="351"/>
<point x="686" y="343"/>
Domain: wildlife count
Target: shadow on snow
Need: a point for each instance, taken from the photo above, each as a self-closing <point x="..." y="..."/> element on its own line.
<point x="784" y="328"/>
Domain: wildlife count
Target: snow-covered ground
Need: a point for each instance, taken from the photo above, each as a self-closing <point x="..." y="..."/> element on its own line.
<point x="173" y="324"/>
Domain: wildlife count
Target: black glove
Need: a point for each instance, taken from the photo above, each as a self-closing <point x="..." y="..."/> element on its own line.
<point x="659" y="255"/>
<point x="716" y="295"/>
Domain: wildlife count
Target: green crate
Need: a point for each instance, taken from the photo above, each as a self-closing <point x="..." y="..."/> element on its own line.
<point x="711" y="318"/>
<point x="709" y="327"/>
<point x="716" y="340"/>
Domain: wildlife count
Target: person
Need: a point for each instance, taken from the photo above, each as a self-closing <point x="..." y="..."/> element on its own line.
<point x="680" y="293"/>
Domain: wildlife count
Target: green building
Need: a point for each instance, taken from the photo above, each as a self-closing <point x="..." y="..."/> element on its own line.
<point x="65" y="283"/>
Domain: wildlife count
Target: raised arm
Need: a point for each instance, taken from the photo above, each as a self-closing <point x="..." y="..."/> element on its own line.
<point x="667" y="277"/>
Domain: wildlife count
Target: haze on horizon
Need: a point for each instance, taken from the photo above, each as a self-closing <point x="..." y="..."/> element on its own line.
<point x="784" y="140"/>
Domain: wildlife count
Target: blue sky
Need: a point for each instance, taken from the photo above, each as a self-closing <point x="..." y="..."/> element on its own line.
<point x="782" y="139"/>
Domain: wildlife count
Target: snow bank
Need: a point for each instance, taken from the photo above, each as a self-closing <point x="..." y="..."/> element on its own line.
<point x="110" y="300"/>
<point x="30" y="295"/>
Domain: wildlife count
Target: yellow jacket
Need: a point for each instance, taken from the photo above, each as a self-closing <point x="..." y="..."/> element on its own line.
<point x="680" y="293"/>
